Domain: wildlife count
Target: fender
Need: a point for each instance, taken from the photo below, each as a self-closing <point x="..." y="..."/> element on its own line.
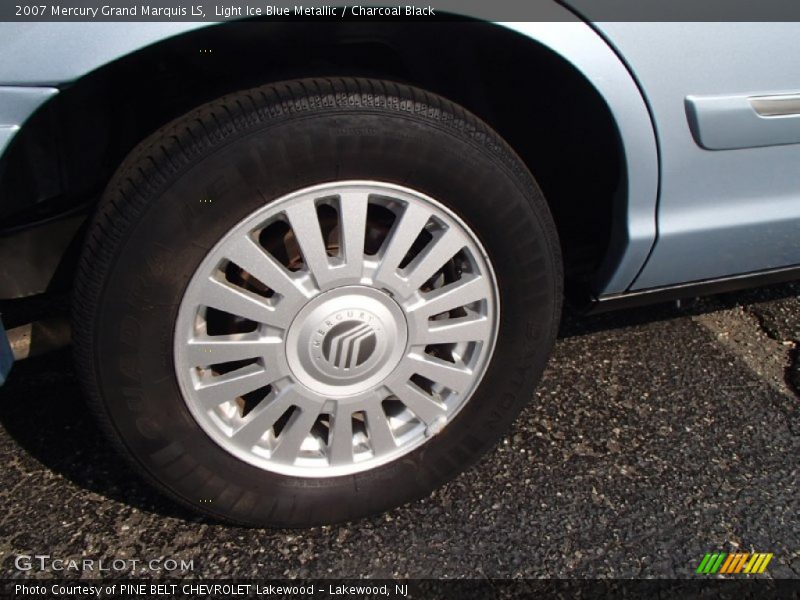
<point x="28" y="50"/>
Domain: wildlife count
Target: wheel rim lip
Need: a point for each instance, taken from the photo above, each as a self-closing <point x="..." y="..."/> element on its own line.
<point x="187" y="313"/>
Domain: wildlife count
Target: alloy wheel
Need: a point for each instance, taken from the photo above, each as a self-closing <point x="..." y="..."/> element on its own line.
<point x="336" y="329"/>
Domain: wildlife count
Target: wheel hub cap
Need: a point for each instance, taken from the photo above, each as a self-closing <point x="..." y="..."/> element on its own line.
<point x="345" y="341"/>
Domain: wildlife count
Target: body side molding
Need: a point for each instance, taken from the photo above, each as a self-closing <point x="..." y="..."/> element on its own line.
<point x="744" y="120"/>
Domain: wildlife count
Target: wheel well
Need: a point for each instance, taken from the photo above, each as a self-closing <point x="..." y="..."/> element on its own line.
<point x="543" y="107"/>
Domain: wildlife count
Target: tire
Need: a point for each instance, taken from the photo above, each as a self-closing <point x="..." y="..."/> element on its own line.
<point x="176" y="203"/>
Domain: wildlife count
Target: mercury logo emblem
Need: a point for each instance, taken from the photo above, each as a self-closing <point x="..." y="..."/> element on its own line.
<point x="349" y="344"/>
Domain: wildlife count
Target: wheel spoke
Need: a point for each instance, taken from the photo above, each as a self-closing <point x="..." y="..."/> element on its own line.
<point x="468" y="289"/>
<point x="341" y="442"/>
<point x="440" y="249"/>
<point x="305" y="225"/>
<point x="440" y="371"/>
<point x="380" y="435"/>
<point x="213" y="391"/>
<point x="353" y="226"/>
<point x="402" y="236"/>
<point x="450" y="331"/>
<point x="241" y="303"/>
<point x="420" y="403"/>
<point x="248" y="255"/>
<point x="295" y="432"/>
<point x="262" y="418"/>
<point x="223" y="349"/>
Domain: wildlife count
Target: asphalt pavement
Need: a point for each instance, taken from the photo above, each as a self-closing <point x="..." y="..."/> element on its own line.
<point x="657" y="435"/>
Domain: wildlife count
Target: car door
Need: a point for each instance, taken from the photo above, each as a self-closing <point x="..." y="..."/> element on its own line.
<point x="729" y="200"/>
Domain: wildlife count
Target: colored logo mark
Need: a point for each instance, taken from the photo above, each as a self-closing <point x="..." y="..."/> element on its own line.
<point x="727" y="564"/>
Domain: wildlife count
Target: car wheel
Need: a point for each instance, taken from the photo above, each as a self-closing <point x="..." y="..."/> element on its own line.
<point x="315" y="300"/>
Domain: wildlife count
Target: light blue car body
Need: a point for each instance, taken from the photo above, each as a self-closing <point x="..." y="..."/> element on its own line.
<point x="713" y="188"/>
